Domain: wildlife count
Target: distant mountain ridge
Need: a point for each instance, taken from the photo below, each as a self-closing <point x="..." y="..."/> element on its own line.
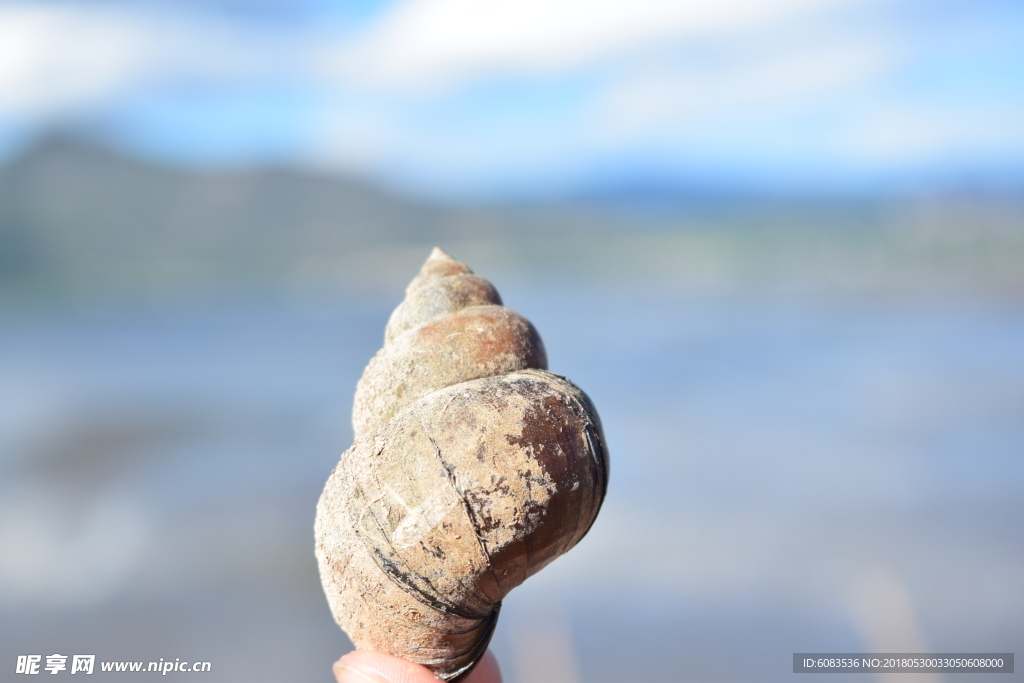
<point x="80" y="221"/>
<point x="74" y="215"/>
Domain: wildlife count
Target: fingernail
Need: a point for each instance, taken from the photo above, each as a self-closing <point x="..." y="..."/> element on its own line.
<point x="350" y="674"/>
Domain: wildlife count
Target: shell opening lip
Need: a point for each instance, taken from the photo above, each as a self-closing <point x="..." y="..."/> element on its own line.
<point x="479" y="649"/>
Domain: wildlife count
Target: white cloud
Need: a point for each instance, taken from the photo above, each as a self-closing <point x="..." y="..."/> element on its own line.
<point x="667" y="94"/>
<point x="901" y="132"/>
<point x="422" y="44"/>
<point x="57" y="59"/>
<point x="653" y="99"/>
<point x="731" y="81"/>
<point x="54" y="57"/>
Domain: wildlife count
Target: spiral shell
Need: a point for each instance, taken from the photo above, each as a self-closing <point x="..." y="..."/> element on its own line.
<point x="472" y="468"/>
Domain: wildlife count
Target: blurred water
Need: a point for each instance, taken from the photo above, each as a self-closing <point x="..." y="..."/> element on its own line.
<point x="788" y="474"/>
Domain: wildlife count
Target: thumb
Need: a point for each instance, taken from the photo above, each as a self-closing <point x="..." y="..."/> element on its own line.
<point x="363" y="666"/>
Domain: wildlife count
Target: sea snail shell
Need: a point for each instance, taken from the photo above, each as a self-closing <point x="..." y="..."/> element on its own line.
<point x="472" y="468"/>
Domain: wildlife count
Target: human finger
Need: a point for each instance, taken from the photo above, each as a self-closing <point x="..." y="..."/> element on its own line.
<point x="363" y="666"/>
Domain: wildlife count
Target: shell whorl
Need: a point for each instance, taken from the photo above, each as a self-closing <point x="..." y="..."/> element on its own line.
<point x="472" y="468"/>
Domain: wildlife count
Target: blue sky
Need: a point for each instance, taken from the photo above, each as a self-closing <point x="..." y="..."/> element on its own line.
<point x="480" y="98"/>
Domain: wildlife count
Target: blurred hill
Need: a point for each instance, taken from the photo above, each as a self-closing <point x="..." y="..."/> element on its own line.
<point x="75" y="217"/>
<point x="81" y="222"/>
